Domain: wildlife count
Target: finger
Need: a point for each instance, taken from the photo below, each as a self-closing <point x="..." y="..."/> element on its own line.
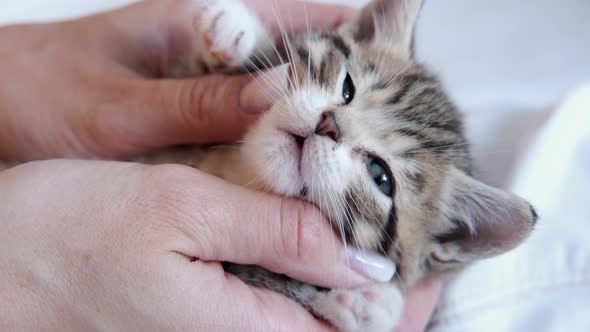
<point x="283" y="314"/>
<point x="209" y="109"/>
<point x="228" y="302"/>
<point x="299" y="16"/>
<point x="420" y="303"/>
<point x="285" y="236"/>
<point x="148" y="36"/>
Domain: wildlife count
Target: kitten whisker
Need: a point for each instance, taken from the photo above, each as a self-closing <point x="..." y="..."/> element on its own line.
<point x="374" y="219"/>
<point x="308" y="27"/>
<point x="276" y="86"/>
<point x="286" y="41"/>
<point x="316" y="186"/>
<point x="342" y="205"/>
<point x="270" y="65"/>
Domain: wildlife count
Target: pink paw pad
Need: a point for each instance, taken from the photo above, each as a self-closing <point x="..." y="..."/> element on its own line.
<point x="374" y="308"/>
<point x="343" y="299"/>
<point x="370" y="296"/>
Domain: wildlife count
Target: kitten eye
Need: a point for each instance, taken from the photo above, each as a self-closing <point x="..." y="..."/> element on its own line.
<point x="348" y="89"/>
<point x="380" y="174"/>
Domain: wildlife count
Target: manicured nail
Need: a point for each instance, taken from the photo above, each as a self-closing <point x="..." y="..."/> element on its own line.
<point x="370" y="265"/>
<point x="263" y="90"/>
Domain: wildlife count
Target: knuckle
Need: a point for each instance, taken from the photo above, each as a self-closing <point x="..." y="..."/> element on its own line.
<point x="168" y="187"/>
<point x="201" y="102"/>
<point x="163" y="176"/>
<point x="300" y="231"/>
<point x="193" y="103"/>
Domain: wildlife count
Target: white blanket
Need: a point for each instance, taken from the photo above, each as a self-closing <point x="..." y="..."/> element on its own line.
<point x="545" y="284"/>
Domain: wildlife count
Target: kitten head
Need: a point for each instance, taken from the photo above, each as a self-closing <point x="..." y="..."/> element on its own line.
<point x="368" y="135"/>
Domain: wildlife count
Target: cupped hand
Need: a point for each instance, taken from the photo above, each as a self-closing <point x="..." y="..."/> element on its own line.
<point x="90" y="245"/>
<point x="97" y="86"/>
<point x="420" y="303"/>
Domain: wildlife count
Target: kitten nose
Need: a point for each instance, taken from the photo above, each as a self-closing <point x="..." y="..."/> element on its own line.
<point x="328" y="127"/>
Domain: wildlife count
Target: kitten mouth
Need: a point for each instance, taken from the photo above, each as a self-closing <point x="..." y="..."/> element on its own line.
<point x="299" y="143"/>
<point x="300" y="140"/>
<point x="303" y="192"/>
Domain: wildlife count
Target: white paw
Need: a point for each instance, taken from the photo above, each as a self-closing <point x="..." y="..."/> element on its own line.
<point x="375" y="308"/>
<point x="229" y="33"/>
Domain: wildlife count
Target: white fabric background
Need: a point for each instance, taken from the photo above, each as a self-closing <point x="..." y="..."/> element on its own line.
<point x="509" y="65"/>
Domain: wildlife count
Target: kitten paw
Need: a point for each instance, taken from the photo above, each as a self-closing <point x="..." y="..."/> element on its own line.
<point x="229" y="34"/>
<point x="375" y="308"/>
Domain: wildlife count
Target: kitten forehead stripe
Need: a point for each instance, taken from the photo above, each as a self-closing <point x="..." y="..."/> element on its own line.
<point x="427" y="142"/>
<point x="339" y="44"/>
<point x="411" y="133"/>
<point x="326" y="68"/>
<point x="379" y="85"/>
<point x="304" y="57"/>
<point x="407" y="83"/>
<point x="432" y="107"/>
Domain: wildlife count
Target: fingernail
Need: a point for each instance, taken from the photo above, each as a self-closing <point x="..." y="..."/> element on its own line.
<point x="263" y="90"/>
<point x="370" y="265"/>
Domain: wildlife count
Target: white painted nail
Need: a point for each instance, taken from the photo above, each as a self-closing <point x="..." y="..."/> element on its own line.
<point x="263" y="91"/>
<point x="370" y="265"/>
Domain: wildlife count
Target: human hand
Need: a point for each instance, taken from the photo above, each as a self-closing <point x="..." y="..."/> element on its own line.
<point x="141" y="251"/>
<point x="93" y="87"/>
<point x="420" y="303"/>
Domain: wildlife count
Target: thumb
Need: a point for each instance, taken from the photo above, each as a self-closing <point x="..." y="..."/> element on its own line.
<point x="208" y="109"/>
<point x="282" y="235"/>
<point x="214" y="108"/>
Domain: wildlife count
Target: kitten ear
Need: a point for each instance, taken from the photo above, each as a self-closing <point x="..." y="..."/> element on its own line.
<point x="485" y="222"/>
<point x="387" y="21"/>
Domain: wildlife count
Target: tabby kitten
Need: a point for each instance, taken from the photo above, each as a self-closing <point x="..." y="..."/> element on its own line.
<point x="367" y="134"/>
